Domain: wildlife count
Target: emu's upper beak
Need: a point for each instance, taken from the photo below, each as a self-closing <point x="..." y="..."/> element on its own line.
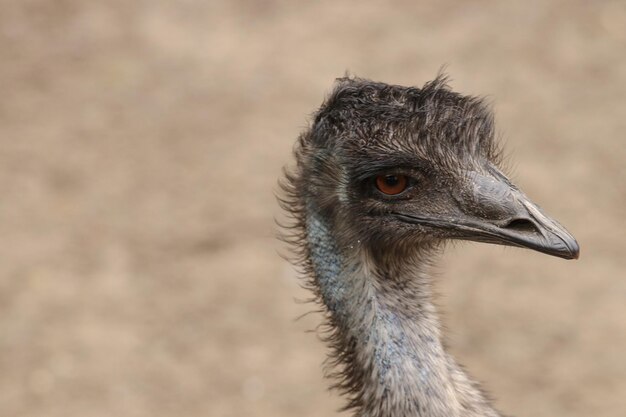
<point x="492" y="210"/>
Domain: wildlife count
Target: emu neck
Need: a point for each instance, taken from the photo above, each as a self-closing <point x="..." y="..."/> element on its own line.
<point x="385" y="330"/>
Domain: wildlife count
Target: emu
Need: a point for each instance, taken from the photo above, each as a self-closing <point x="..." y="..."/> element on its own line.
<point x="384" y="177"/>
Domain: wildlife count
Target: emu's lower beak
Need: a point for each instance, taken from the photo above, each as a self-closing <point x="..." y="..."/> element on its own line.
<point x="491" y="210"/>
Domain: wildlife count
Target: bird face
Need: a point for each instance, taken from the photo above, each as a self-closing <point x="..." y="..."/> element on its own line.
<point x="423" y="202"/>
<point x="403" y="166"/>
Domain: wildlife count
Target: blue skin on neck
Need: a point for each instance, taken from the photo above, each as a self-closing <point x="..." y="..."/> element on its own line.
<point x="391" y="346"/>
<point x="327" y="263"/>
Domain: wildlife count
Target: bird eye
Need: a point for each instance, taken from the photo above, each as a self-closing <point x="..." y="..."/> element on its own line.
<point x="391" y="184"/>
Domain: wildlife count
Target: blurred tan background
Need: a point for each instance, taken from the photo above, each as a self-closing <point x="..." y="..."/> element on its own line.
<point x="140" y="144"/>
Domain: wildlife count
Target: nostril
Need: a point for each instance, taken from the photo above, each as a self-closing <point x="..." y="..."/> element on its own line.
<point x="521" y="225"/>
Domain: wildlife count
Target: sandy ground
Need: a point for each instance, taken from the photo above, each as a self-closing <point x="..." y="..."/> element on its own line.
<point x="140" y="144"/>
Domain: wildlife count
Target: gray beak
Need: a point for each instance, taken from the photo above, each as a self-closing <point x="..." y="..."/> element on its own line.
<point x="492" y="210"/>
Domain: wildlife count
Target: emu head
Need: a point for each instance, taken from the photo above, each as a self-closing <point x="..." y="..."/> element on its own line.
<point x="400" y="168"/>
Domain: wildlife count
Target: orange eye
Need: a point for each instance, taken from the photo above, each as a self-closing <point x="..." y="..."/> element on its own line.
<point x="391" y="184"/>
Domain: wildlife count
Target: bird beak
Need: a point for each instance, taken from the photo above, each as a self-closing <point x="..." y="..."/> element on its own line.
<point x="491" y="210"/>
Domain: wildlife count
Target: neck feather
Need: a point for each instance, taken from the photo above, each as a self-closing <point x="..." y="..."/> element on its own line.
<point x="385" y="333"/>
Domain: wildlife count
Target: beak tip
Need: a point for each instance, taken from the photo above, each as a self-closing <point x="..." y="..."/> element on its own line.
<point x="571" y="249"/>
